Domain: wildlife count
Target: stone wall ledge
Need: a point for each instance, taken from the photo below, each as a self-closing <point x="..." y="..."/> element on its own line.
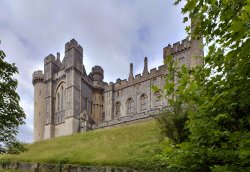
<point x="130" y="118"/>
<point x="39" y="167"/>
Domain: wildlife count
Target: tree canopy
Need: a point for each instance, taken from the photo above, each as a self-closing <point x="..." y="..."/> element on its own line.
<point x="215" y="98"/>
<point x="11" y="113"/>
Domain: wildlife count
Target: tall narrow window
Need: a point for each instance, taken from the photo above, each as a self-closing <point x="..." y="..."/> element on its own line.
<point x="143" y="100"/>
<point x="62" y="107"/>
<point x="117" y="109"/>
<point x="130" y="105"/>
<point x="58" y="102"/>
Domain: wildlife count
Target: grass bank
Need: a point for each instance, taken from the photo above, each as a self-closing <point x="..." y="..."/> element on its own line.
<point x="129" y="145"/>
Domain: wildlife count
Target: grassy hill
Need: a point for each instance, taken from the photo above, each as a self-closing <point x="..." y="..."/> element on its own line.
<point x="126" y="145"/>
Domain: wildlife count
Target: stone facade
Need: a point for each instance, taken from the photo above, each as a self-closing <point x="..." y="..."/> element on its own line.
<point x="68" y="100"/>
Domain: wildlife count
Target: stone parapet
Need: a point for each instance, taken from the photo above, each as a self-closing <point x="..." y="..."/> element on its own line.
<point x="176" y="47"/>
<point x="97" y="70"/>
<point x="121" y="84"/>
<point x="50" y="58"/>
<point x="74" y="44"/>
<point x="37" y="76"/>
<point x="129" y="118"/>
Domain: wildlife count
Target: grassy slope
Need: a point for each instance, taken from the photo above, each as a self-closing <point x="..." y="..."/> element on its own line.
<point x="118" y="146"/>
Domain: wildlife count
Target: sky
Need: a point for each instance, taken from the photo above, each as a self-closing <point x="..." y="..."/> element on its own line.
<point x="113" y="34"/>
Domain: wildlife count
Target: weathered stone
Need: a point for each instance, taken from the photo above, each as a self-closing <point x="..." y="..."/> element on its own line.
<point x="67" y="100"/>
<point x="29" y="167"/>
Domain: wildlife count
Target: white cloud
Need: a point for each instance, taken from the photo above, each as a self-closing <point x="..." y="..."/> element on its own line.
<point x="113" y="33"/>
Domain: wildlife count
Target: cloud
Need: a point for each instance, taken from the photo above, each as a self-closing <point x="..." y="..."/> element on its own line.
<point x="113" y="34"/>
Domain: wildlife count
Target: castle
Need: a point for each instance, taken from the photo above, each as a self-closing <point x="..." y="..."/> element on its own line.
<point x="67" y="100"/>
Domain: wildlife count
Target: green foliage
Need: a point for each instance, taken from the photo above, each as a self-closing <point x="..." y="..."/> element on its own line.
<point x="172" y="120"/>
<point x="11" y="114"/>
<point x="215" y="98"/>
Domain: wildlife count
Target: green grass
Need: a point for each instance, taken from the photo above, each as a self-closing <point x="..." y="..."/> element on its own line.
<point x="118" y="146"/>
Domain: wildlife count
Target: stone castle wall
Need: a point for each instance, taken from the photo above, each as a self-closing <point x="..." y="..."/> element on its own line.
<point x="73" y="101"/>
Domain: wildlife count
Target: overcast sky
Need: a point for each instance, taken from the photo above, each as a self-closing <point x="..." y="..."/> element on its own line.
<point x="113" y="33"/>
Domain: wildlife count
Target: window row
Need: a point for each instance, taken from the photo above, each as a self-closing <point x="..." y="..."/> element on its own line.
<point x="130" y="105"/>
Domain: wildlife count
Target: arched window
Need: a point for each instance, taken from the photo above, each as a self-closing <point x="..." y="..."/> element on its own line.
<point x="58" y="102"/>
<point x="60" y="97"/>
<point x="143" y="100"/>
<point x="62" y="107"/>
<point x="117" y="108"/>
<point x="130" y="105"/>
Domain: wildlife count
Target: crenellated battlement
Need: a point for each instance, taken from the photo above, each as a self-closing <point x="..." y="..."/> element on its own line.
<point x="97" y="70"/>
<point x="138" y="77"/>
<point x="177" y="47"/>
<point x="97" y="73"/>
<point x="74" y="44"/>
<point x="49" y="58"/>
<point x="109" y="87"/>
<point x="37" y="76"/>
<point x="120" y="84"/>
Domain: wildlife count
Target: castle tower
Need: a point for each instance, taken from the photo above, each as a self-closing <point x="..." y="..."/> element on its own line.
<point x="189" y="51"/>
<point x="73" y="67"/>
<point x="196" y="48"/>
<point x="97" y="97"/>
<point x="50" y="68"/>
<point x="39" y="105"/>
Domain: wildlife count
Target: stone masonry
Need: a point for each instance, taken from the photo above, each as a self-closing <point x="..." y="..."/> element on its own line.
<point x="68" y="100"/>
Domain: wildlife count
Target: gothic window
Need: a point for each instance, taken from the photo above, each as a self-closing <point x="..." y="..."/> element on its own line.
<point x="40" y="92"/>
<point x="58" y="102"/>
<point x="62" y="99"/>
<point x="117" y="108"/>
<point x="130" y="105"/>
<point x="143" y="100"/>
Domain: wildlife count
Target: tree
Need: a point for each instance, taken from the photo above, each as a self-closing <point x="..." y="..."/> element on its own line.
<point x="172" y="120"/>
<point x="11" y="113"/>
<point x="216" y="97"/>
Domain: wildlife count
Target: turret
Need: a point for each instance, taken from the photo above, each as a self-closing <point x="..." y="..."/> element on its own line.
<point x="97" y="99"/>
<point x="51" y="66"/>
<point x="97" y="73"/>
<point x="73" y="61"/>
<point x="39" y="105"/>
<point x="131" y="75"/>
<point x="196" y="47"/>
<point x="73" y="55"/>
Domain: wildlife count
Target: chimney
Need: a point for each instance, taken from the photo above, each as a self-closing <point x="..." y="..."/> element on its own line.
<point x="145" y="70"/>
<point x="131" y="76"/>
<point x="58" y="56"/>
